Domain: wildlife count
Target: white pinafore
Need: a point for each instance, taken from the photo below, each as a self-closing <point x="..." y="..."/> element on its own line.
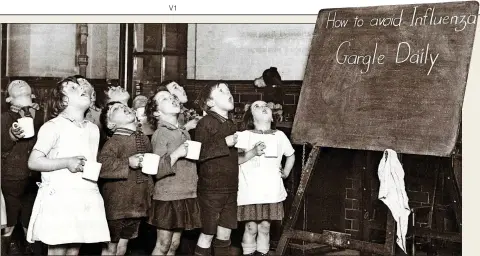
<point x="68" y="208"/>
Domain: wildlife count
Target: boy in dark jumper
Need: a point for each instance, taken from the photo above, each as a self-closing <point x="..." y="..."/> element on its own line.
<point x="218" y="169"/>
<point x="18" y="182"/>
<point x="126" y="190"/>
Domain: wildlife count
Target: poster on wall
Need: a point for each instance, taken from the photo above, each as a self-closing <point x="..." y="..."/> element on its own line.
<point x="243" y="51"/>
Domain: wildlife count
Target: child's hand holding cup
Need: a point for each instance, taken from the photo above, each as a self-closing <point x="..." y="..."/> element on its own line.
<point x="259" y="148"/>
<point x="16" y="131"/>
<point x="231" y="140"/>
<point x="76" y="163"/>
<point x="149" y="163"/>
<point x="193" y="149"/>
<point x="23" y="128"/>
<point x="135" y="161"/>
<point x="181" y="151"/>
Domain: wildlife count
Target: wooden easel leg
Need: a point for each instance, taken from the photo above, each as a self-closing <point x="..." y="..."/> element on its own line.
<point x="296" y="205"/>
<point x="390" y="234"/>
<point x="455" y="193"/>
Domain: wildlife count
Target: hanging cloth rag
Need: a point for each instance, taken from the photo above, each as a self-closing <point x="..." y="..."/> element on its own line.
<point x="392" y="193"/>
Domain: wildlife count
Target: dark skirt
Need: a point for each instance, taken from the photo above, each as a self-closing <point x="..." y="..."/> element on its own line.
<point x="178" y="214"/>
<point x="252" y="212"/>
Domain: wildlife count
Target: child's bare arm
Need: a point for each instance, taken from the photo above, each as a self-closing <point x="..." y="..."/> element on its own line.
<point x="288" y="166"/>
<point x="39" y="162"/>
<point x="255" y="151"/>
<point x="113" y="166"/>
<point x="46" y="139"/>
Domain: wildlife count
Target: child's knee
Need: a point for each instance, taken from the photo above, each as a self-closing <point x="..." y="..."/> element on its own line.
<point x="174" y="244"/>
<point x="164" y="242"/>
<point x="251" y="228"/>
<point x="264" y="227"/>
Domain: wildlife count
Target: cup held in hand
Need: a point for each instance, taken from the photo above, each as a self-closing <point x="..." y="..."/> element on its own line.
<point x="150" y="163"/>
<point x="193" y="151"/>
<point x="271" y="146"/>
<point x="243" y="139"/>
<point x="91" y="170"/>
<point x="26" y="123"/>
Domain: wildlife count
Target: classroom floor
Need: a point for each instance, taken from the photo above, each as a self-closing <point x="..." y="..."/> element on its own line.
<point x="146" y="243"/>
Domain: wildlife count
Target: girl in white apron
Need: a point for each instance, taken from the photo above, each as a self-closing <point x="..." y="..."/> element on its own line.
<point x="260" y="186"/>
<point x="68" y="210"/>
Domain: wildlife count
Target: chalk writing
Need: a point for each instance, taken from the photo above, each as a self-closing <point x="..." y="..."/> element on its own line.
<point x="429" y="18"/>
<point x="418" y="18"/>
<point x="387" y="21"/>
<point x="405" y="52"/>
<point x="349" y="58"/>
<point x="334" y="23"/>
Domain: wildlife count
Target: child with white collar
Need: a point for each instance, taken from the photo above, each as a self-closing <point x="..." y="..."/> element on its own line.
<point x="18" y="182"/>
<point x="126" y="190"/>
<point x="69" y="210"/>
<point x="260" y="189"/>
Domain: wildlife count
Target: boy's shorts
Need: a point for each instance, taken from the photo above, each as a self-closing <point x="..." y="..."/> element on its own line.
<point x="124" y="229"/>
<point x="217" y="210"/>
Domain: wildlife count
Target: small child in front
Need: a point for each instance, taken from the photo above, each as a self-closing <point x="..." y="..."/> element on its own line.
<point x="126" y="190"/>
<point x="138" y="105"/>
<point x="260" y="189"/>
<point x="17" y="181"/>
<point x="68" y="210"/>
<point x="93" y="112"/>
<point x="116" y="93"/>
<point x="174" y="207"/>
<point x="187" y="117"/>
<point x="218" y="169"/>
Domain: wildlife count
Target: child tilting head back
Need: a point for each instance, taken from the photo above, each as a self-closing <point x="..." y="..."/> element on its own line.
<point x="116" y="114"/>
<point x="66" y="202"/>
<point x="261" y="190"/>
<point x="139" y="104"/>
<point x="126" y="190"/>
<point x="216" y="97"/>
<point x="188" y="118"/>
<point x="116" y="93"/>
<point x="175" y="206"/>
<point x="20" y="125"/>
<point x="218" y="168"/>
<point x="93" y="112"/>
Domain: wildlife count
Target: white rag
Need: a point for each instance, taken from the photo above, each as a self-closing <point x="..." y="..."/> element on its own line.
<point x="392" y="193"/>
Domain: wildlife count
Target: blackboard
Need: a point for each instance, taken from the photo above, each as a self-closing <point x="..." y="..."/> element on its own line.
<point x="407" y="96"/>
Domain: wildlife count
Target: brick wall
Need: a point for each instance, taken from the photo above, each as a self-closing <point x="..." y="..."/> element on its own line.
<point x="362" y="203"/>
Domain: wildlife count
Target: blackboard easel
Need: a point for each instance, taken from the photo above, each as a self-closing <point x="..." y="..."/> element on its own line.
<point x="411" y="108"/>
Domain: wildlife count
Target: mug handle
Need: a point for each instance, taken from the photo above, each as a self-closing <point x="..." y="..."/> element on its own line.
<point x="15" y="125"/>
